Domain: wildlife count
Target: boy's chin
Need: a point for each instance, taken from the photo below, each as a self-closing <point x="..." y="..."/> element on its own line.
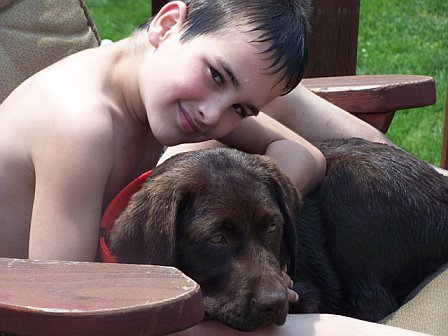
<point x="166" y="140"/>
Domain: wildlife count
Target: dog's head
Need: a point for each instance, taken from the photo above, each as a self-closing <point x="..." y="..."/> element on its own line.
<point x="223" y="217"/>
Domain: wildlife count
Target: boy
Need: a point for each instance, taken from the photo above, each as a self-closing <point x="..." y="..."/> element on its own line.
<point x="76" y="133"/>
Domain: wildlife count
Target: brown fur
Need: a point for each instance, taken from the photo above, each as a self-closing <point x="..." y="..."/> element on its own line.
<point x="222" y="224"/>
<point x="374" y="228"/>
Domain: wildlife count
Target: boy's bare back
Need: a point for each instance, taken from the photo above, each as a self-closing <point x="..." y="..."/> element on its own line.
<point x="68" y="127"/>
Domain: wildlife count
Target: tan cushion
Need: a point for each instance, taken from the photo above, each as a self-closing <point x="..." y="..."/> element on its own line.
<point x="37" y="33"/>
<point x="427" y="307"/>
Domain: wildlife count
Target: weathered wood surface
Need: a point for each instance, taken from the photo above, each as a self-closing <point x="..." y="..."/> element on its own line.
<point x="333" y="41"/>
<point x="375" y="98"/>
<point x="72" y="298"/>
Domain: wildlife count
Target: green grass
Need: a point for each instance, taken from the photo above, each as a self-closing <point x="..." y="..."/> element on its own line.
<point x="395" y="36"/>
<point x="116" y="19"/>
<point x="408" y="37"/>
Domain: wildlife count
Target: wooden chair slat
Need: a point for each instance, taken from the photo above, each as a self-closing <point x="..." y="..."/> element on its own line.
<point x="74" y="298"/>
<point x="375" y="98"/>
<point x="333" y="40"/>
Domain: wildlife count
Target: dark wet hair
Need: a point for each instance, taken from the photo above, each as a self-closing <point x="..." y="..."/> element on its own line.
<point x="282" y="23"/>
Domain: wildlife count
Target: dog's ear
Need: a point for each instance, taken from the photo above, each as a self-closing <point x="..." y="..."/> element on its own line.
<point x="290" y="202"/>
<point x="146" y="230"/>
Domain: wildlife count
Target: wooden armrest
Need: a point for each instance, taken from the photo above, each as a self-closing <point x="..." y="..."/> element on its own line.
<point x="375" y="93"/>
<point x="375" y="98"/>
<point x="74" y="298"/>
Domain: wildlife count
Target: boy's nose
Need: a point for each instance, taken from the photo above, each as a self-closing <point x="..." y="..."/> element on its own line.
<point x="211" y="112"/>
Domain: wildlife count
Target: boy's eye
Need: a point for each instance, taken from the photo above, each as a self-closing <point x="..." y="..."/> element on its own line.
<point x="216" y="76"/>
<point x="239" y="110"/>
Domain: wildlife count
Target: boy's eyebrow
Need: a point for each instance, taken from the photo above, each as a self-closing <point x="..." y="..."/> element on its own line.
<point x="227" y="68"/>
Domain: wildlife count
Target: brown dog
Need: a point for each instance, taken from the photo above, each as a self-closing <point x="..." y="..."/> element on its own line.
<point x="374" y="228"/>
<point x="220" y="216"/>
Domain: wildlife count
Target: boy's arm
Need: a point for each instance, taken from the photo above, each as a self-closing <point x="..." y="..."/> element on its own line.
<point x="303" y="163"/>
<point x="316" y="119"/>
<point x="71" y="168"/>
<point x="304" y="113"/>
<point x="304" y="325"/>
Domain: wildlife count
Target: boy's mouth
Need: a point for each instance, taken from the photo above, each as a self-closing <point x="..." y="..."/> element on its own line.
<point x="186" y="122"/>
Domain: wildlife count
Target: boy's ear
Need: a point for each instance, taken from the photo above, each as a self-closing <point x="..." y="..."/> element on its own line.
<point x="170" y="17"/>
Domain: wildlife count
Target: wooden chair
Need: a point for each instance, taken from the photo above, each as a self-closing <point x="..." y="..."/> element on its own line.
<point x="73" y="298"/>
<point x="333" y="47"/>
<point x="65" y="298"/>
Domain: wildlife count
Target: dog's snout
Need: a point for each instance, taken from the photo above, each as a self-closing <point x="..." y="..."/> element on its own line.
<point x="271" y="305"/>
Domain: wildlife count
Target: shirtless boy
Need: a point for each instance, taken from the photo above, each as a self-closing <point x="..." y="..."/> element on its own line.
<point x="77" y="132"/>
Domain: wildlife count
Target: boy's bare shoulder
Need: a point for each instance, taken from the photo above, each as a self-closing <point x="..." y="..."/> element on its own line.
<point x="69" y="93"/>
<point x="73" y="81"/>
<point x="53" y="113"/>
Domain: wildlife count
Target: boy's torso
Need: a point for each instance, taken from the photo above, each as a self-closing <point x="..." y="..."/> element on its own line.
<point x="27" y="119"/>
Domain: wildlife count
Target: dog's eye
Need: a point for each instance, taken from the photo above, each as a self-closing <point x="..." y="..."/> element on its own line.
<point x="218" y="239"/>
<point x="272" y="227"/>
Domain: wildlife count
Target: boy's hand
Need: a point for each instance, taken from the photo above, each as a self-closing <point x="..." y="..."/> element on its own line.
<point x="292" y="295"/>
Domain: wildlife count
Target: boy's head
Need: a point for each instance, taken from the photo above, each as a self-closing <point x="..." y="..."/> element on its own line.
<point x="281" y="23"/>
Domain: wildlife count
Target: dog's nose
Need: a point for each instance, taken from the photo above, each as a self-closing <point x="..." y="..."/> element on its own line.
<point x="272" y="305"/>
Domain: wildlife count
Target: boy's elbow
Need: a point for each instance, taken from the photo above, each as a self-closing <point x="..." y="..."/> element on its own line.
<point x="317" y="170"/>
<point x="321" y="166"/>
<point x="305" y="165"/>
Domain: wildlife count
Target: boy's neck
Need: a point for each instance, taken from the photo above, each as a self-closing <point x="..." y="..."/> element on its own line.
<point x="124" y="70"/>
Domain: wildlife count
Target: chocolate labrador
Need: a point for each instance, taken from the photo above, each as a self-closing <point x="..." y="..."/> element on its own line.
<point x="356" y="245"/>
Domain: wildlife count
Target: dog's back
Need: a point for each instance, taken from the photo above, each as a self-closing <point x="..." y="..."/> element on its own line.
<point x="381" y="216"/>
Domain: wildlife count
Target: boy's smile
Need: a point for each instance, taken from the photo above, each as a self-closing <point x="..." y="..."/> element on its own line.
<point x="201" y="89"/>
<point x="187" y="122"/>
